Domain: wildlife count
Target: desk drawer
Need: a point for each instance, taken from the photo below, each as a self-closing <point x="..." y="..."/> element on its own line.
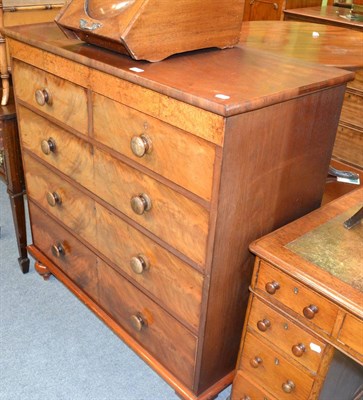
<point x="292" y="294"/>
<point x="174" y="218"/>
<point x="287" y="336"/>
<point x="73" y="258"/>
<point x="66" y="152"/>
<point x="158" y="332"/>
<point x="264" y="365"/>
<point x="351" y="334"/>
<point x="352" y="109"/>
<point x="191" y="158"/>
<point x="244" y="389"/>
<point x="67" y="102"/>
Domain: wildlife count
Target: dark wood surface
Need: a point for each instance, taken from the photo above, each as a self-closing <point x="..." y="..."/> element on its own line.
<point x="14" y="177"/>
<point x="324" y="15"/>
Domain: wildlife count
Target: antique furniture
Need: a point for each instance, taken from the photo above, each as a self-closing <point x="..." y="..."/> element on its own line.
<point x="150" y="29"/>
<point x="328" y="45"/>
<point x="11" y="171"/>
<point x="305" y="310"/>
<point x="146" y="183"/>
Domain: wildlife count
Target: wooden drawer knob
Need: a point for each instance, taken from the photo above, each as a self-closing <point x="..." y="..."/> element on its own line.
<point x="48" y="146"/>
<point x="138" y="322"/>
<point x="139" y="264"/>
<point x="141" y="203"/>
<point x="288" y="386"/>
<point x="43" y="96"/>
<point x="141" y="145"/>
<point x="310" y="311"/>
<point x="263" y="325"/>
<point x="58" y="250"/>
<point x="298" y="349"/>
<point x="256" y="362"/>
<point x="53" y="199"/>
<point x="271" y="287"/>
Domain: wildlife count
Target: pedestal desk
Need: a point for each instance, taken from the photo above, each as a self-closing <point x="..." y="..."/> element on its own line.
<point x="306" y="304"/>
<point x="147" y="182"/>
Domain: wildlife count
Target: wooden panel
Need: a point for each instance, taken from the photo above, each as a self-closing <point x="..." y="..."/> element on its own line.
<point x="174" y="218"/>
<point x="296" y="297"/>
<point x="263" y="10"/>
<point x="348" y="145"/>
<point x="192" y="158"/>
<point x="274" y="370"/>
<point x="244" y="389"/>
<point x="284" y="334"/>
<point x="351" y="334"/>
<point x="72" y="155"/>
<point x="352" y="110"/>
<point x="357" y="83"/>
<point x="176" y="284"/>
<point x="166" y="339"/>
<point x="76" y="210"/>
<point x="77" y="261"/>
<point x="68" y="101"/>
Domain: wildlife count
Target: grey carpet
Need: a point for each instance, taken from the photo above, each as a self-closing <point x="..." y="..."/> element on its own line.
<point x="53" y="348"/>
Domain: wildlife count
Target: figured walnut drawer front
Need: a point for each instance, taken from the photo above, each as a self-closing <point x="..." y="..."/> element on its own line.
<point x="166" y="150"/>
<point x="244" y="389"/>
<point x="278" y="286"/>
<point x="59" y="198"/>
<point x="177" y="285"/>
<point x="264" y="365"/>
<point x="71" y="256"/>
<point x="159" y="333"/>
<point x="171" y="216"/>
<point x="287" y="336"/>
<point x="351" y="334"/>
<point x="57" y="147"/>
<point x="54" y="96"/>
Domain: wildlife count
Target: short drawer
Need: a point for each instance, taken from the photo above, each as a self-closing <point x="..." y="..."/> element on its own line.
<point x="157" y="331"/>
<point x="351" y="334"/>
<point x="267" y="367"/>
<point x="357" y="83"/>
<point x="244" y="389"/>
<point x="177" y="155"/>
<point x="61" y="99"/>
<point x="65" y="251"/>
<point x="171" y="216"/>
<point x="59" y="148"/>
<point x="352" y="109"/>
<point x="348" y="145"/>
<point x="278" y="286"/>
<point x="59" y="198"/>
<point x="286" y="335"/>
<point x="174" y="283"/>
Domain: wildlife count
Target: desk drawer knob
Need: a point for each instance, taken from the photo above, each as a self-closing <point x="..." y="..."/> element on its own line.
<point x="298" y="349"/>
<point x="310" y="311"/>
<point x="53" y="199"/>
<point x="48" y="146"/>
<point x="58" y="250"/>
<point x="43" y="96"/>
<point x="141" y="203"/>
<point x="256" y="362"/>
<point x="263" y="325"/>
<point x="288" y="386"/>
<point x="141" y="145"/>
<point x="139" y="264"/>
<point x="271" y="287"/>
<point x="138" y="322"/>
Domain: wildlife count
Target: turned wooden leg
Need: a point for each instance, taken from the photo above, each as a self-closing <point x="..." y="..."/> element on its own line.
<point x="42" y="270"/>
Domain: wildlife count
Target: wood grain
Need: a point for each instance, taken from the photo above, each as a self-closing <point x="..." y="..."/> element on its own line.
<point x="243" y="388"/>
<point x="351" y="334"/>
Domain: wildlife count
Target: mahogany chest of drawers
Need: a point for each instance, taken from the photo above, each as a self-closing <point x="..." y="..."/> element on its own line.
<point x="146" y="183"/>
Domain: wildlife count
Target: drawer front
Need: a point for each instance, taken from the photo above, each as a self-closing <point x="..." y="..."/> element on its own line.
<point x="159" y="333"/>
<point x="352" y="109"/>
<point x="174" y="283"/>
<point x="286" y="335"/>
<point x="59" y="198"/>
<point x="73" y="258"/>
<point x="269" y="369"/>
<point x="351" y="334"/>
<point x="357" y="83"/>
<point x="297" y="297"/>
<point x="348" y="145"/>
<point x="244" y="389"/>
<point x="66" y="102"/>
<point x="71" y="155"/>
<point x="164" y="149"/>
<point x="175" y="219"/>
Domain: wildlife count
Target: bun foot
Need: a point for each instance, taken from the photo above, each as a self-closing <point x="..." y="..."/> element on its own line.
<point x="42" y="270"/>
